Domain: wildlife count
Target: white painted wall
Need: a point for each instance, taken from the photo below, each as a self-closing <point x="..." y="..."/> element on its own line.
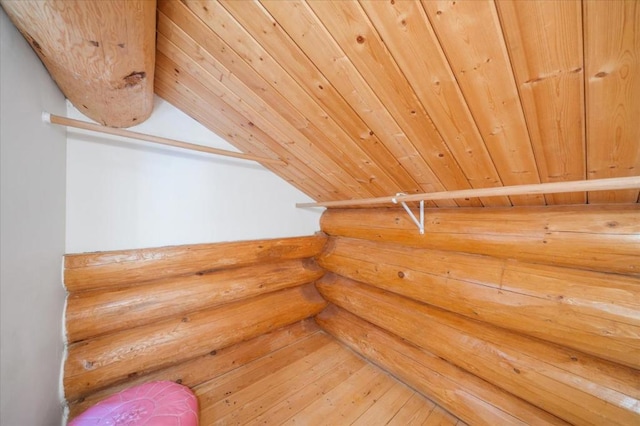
<point x="124" y="195"/>
<point x="32" y="236"/>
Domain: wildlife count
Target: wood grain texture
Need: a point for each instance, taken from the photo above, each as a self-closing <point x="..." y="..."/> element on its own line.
<point x="110" y="359"/>
<point x="101" y="54"/>
<point x="471" y="37"/>
<point x="463" y="394"/>
<point x="598" y="238"/>
<point x="121" y="268"/>
<point x="352" y="31"/>
<point x="304" y="28"/>
<point x="568" y="384"/>
<point x="592" y="312"/>
<point x="408" y="35"/>
<point x="544" y="40"/>
<point x="213" y="364"/>
<point x="90" y="314"/>
<point x="612" y="82"/>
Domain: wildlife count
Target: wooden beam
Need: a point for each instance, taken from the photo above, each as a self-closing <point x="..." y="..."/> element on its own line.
<point x="97" y="363"/>
<point x="576" y="387"/>
<point x="206" y="367"/>
<point x="597" y="238"/>
<point x="462" y="393"/>
<point x="115" y="269"/>
<point x="592" y="312"/>
<point x="610" y="184"/>
<point x="93" y="313"/>
<point x="77" y="124"/>
<point x="100" y="53"/>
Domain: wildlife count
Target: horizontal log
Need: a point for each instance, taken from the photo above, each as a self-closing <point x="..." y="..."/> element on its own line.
<point x="590" y="311"/>
<point x="120" y="268"/>
<point x="97" y="363"/>
<point x="211" y="365"/>
<point x="101" y="54"/>
<point x="90" y="314"/>
<point x="576" y="387"/>
<point x="594" y="237"/>
<point x="467" y="396"/>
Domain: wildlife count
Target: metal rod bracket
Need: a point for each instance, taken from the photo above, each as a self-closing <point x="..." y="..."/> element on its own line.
<point x="418" y="223"/>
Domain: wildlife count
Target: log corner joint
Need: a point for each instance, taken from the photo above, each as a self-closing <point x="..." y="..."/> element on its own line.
<point x="419" y="223"/>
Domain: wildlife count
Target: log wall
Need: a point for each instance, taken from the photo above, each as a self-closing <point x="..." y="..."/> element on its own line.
<point x="172" y="313"/>
<point x="502" y="316"/>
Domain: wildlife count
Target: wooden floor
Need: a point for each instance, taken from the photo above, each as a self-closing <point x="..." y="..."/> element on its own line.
<point x="315" y="381"/>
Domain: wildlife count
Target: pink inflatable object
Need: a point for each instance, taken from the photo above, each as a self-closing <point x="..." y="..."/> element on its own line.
<point x="151" y="404"/>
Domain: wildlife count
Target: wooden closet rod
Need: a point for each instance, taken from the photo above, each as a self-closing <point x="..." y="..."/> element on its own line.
<point x="609" y="184"/>
<point x="70" y="122"/>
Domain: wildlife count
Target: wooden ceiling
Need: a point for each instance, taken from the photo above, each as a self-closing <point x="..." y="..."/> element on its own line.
<point x="371" y="98"/>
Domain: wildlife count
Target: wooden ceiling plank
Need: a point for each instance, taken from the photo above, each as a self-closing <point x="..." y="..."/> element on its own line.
<point x="302" y="26"/>
<point x="228" y="85"/>
<point x="348" y="25"/>
<point x="544" y="40"/>
<point x="100" y="53"/>
<point x="320" y="131"/>
<point x="274" y="40"/>
<point x="612" y="63"/>
<point x="328" y="158"/>
<point x="183" y="98"/>
<point x="471" y="37"/>
<point x="222" y="119"/>
<point x="210" y="89"/>
<point x="408" y="35"/>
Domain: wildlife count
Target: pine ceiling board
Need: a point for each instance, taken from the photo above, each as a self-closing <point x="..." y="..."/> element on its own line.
<point x="246" y="102"/>
<point x="180" y="97"/>
<point x="409" y="37"/>
<point x="544" y="40"/>
<point x="273" y="39"/>
<point x="310" y="35"/>
<point x="351" y="29"/>
<point x="245" y="57"/>
<point x="322" y="134"/>
<point x="612" y="62"/>
<point x="338" y="145"/>
<point x="183" y="74"/>
<point x="471" y="37"/>
<point x="222" y="123"/>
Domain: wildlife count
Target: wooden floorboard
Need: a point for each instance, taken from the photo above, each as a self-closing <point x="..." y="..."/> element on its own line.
<point x="314" y="381"/>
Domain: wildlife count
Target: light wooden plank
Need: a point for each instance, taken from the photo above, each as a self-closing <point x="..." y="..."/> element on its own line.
<point x="321" y="133"/>
<point x="471" y="37"/>
<point x="353" y="389"/>
<point x="313" y="158"/>
<point x="271" y="36"/>
<point x="349" y="26"/>
<point x="612" y="61"/>
<point x="413" y="412"/>
<point x="386" y="407"/>
<point x="296" y="173"/>
<point x="279" y="413"/>
<point x="217" y="389"/>
<point x="544" y="40"/>
<point x="298" y="135"/>
<point x="243" y="406"/>
<point x="308" y="32"/>
<point x="439" y="417"/>
<point x="408" y="35"/>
